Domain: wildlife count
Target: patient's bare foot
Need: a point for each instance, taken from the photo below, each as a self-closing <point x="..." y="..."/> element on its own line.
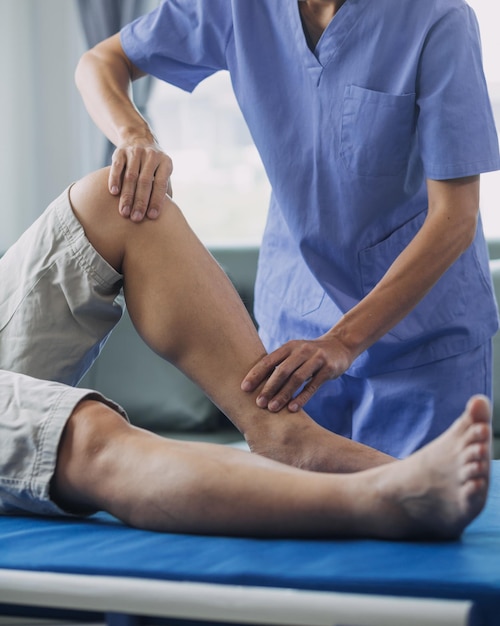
<point x="439" y="490"/>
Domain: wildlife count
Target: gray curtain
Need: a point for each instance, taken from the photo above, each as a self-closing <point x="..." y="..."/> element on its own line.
<point x="101" y="19"/>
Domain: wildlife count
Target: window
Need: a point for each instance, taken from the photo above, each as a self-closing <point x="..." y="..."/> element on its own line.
<point x="219" y="181"/>
<point x="488" y="14"/>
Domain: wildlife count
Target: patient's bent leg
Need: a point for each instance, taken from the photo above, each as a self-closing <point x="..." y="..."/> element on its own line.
<point x="160" y="484"/>
<point x="186" y="309"/>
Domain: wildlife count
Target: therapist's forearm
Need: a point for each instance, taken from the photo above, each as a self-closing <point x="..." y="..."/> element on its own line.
<point x="446" y="233"/>
<point x="140" y="170"/>
<point x="104" y="78"/>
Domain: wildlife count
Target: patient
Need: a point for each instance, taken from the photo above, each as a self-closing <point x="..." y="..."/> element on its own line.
<point x="65" y="450"/>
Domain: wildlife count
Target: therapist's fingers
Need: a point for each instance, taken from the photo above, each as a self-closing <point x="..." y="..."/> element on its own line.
<point x="285" y="396"/>
<point x="297" y="366"/>
<point x="280" y="390"/>
<point x="118" y="163"/>
<point x="293" y="373"/>
<point x="140" y="174"/>
<point x="261" y="371"/>
<point x="160" y="187"/>
<point x="310" y="388"/>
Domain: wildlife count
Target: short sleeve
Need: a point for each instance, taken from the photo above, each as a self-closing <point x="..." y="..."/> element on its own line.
<point x="181" y="42"/>
<point x="456" y="129"/>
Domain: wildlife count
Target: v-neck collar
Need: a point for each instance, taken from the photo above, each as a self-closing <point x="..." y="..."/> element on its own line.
<point x="333" y="36"/>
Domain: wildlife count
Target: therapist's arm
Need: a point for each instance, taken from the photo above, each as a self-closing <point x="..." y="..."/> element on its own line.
<point x="447" y="232"/>
<point x="140" y="170"/>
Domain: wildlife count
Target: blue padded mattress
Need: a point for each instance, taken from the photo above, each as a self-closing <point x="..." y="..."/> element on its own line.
<point x="100" y="549"/>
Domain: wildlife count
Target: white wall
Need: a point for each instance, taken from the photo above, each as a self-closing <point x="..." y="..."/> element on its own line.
<point x="488" y="15"/>
<point x="45" y="132"/>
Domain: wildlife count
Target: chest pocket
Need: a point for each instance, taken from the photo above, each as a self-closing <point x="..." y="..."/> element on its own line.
<point x="287" y="285"/>
<point x="377" y="130"/>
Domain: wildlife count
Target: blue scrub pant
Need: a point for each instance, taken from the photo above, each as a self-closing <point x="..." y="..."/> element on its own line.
<point x="401" y="411"/>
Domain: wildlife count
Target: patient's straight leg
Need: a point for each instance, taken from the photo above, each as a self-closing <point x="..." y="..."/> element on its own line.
<point x="186" y="309"/>
<point x="159" y="484"/>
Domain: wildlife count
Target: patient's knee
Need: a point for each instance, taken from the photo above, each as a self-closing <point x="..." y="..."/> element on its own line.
<point x="83" y="455"/>
<point x="97" y="211"/>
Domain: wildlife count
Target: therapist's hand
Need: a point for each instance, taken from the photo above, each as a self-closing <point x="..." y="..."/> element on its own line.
<point x="140" y="175"/>
<point x="301" y="362"/>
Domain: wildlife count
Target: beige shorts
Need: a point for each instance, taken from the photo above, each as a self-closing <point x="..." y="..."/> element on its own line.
<point x="59" y="300"/>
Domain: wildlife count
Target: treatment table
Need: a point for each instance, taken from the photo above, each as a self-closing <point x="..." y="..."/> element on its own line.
<point x="99" y="569"/>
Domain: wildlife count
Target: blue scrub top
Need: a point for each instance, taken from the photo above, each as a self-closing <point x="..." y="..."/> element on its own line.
<point x="393" y="93"/>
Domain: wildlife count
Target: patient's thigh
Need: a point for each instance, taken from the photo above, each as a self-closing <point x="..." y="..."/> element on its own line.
<point x="59" y="299"/>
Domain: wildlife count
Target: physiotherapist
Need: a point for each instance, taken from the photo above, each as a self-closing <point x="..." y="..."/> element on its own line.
<point x="373" y="122"/>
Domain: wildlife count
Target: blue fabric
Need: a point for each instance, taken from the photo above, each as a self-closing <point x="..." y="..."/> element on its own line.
<point x="464" y="569"/>
<point x="393" y="93"/>
<point x="399" y="412"/>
